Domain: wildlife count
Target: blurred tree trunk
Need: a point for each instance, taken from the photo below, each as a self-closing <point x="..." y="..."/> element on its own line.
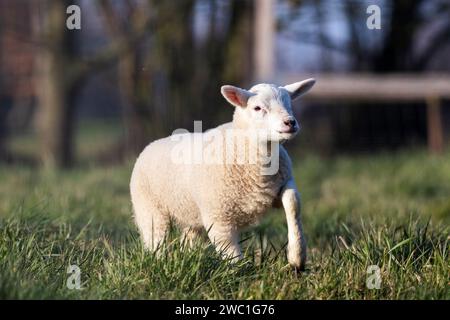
<point x="396" y="53"/>
<point x="3" y="130"/>
<point x="239" y="61"/>
<point x="173" y="56"/>
<point x="2" y="105"/>
<point x="134" y="77"/>
<point x="171" y="46"/>
<point x="61" y="73"/>
<point x="56" y="89"/>
<point x="225" y="58"/>
<point x="137" y="114"/>
<point x="169" y="81"/>
<point x="355" y="45"/>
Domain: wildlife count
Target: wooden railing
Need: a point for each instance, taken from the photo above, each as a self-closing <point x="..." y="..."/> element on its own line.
<point x="428" y="88"/>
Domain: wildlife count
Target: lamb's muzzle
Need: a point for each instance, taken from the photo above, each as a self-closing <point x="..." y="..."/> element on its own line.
<point x="224" y="197"/>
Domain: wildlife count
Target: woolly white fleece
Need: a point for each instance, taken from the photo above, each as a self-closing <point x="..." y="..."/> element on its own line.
<point x="224" y="197"/>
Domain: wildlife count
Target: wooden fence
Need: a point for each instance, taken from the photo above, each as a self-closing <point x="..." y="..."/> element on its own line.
<point x="428" y="88"/>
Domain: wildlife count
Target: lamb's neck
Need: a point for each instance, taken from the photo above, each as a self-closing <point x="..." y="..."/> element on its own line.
<point x="258" y="155"/>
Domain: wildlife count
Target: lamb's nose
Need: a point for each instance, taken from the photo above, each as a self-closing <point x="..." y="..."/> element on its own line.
<point x="290" y="122"/>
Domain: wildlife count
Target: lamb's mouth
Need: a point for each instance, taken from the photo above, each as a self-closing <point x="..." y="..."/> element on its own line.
<point x="288" y="131"/>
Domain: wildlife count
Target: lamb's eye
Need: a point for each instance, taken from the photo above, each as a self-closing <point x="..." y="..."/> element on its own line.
<point x="257" y="108"/>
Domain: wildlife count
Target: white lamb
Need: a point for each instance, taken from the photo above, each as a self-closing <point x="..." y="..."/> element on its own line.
<point x="199" y="181"/>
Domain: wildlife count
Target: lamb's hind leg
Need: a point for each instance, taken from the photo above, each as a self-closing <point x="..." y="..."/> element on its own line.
<point x="154" y="231"/>
<point x="152" y="223"/>
<point x="225" y="239"/>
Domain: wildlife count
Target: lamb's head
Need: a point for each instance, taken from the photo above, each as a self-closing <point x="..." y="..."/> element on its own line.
<point x="267" y="108"/>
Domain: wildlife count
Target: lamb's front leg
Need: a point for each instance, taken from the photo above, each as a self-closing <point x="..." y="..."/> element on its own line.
<point x="290" y="198"/>
<point x="226" y="241"/>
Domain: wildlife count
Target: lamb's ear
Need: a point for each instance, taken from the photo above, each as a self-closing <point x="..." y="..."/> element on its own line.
<point x="298" y="89"/>
<point x="236" y="96"/>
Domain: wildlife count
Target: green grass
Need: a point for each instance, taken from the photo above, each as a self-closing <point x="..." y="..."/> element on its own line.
<point x="387" y="210"/>
<point x="91" y="138"/>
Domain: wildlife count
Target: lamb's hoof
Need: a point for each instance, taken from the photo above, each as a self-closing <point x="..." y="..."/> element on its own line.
<point x="298" y="268"/>
<point x="296" y="260"/>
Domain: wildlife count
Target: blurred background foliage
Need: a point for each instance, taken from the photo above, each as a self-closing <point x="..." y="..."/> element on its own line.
<point x="139" y="69"/>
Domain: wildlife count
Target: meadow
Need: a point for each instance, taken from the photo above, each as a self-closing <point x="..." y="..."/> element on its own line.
<point x="391" y="210"/>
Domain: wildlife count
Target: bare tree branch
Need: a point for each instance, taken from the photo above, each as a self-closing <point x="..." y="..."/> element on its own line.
<point x="433" y="46"/>
<point x="122" y="40"/>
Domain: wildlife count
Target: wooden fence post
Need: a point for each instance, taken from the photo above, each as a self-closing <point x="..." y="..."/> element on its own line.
<point x="264" y="54"/>
<point x="434" y="125"/>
